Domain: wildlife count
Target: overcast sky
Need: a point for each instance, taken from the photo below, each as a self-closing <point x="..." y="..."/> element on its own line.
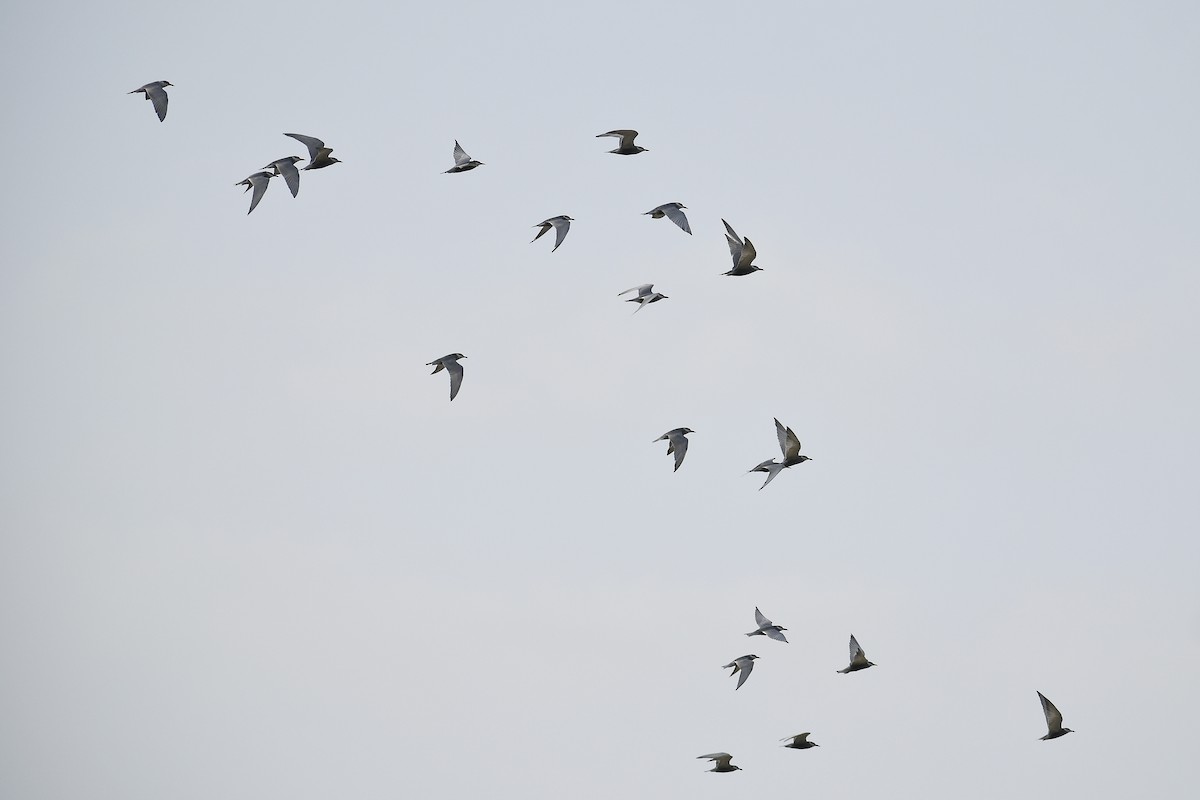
<point x="251" y="550"/>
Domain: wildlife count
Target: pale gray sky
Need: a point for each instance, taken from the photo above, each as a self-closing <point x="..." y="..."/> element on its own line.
<point x="250" y="550"/>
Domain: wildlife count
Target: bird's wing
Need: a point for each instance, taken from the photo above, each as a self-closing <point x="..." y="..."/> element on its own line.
<point x="1053" y="715"/>
<point x="625" y="136"/>
<point x="545" y="227"/>
<point x="722" y="759"/>
<point x="788" y="442"/>
<point x="775" y="634"/>
<point x="762" y="621"/>
<point x="678" y="217"/>
<point x="857" y="654"/>
<point x="561" y="226"/>
<point x="747" y="668"/>
<point x="460" y="155"/>
<point x="773" y="468"/>
<point x="456" y="374"/>
<point x="313" y="144"/>
<point x="748" y="254"/>
<point x="679" y="444"/>
<point x="642" y="290"/>
<point x="290" y="174"/>
<point x="158" y="96"/>
<point x="259" y="186"/>
<point x="731" y="232"/>
<point x="735" y="250"/>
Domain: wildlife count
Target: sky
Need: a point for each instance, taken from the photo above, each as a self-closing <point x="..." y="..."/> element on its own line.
<point x="248" y="548"/>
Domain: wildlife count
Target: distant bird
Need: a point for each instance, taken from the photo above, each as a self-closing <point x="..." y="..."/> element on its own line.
<point x="561" y="225"/>
<point x="451" y="365"/>
<point x="742" y="664"/>
<point x="672" y="212"/>
<point x="287" y="168"/>
<point x="722" y="760"/>
<point x="677" y="442"/>
<point x="626" y="147"/>
<point x="790" y="445"/>
<point x="155" y="93"/>
<point x="858" y="658"/>
<point x="462" y="161"/>
<point x="1053" y="719"/>
<point x="742" y="251"/>
<point x="258" y="182"/>
<point x="318" y="153"/>
<point x="800" y="741"/>
<point x="645" y="295"/>
<point x="767" y="628"/>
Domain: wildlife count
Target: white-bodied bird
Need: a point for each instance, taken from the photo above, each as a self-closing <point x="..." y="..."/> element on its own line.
<point x="767" y="628"/>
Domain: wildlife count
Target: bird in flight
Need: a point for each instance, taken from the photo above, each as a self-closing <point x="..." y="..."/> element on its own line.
<point x="155" y="93"/>
<point x="767" y="628"/>
<point x="672" y="212"/>
<point x="742" y="664"/>
<point x="645" y="295"/>
<point x="1054" y="728"/>
<point x="462" y="161"/>
<point x="858" y="658"/>
<point x="626" y="146"/>
<point x="722" y="760"/>
<point x="451" y="365"/>
<point x="677" y="443"/>
<point x="790" y="445"/>
<point x="287" y="168"/>
<point x="799" y="741"/>
<point x="258" y="182"/>
<point x="742" y="251"/>
<point x="318" y="153"/>
<point x="561" y="225"/>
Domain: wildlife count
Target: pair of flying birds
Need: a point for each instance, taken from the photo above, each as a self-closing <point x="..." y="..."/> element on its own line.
<point x="744" y="665"/>
<point x="789" y="443"/>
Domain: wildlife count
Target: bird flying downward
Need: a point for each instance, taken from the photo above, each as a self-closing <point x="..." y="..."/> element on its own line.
<point x="677" y="443"/>
<point x="258" y="182"/>
<point x="645" y="296"/>
<point x="767" y="628"/>
<point x="742" y="664"/>
<point x="451" y="365"/>
<point x="800" y="741"/>
<point x="858" y="658"/>
<point x="1054" y="728"/>
<point x="561" y="225"/>
<point x="287" y="168"/>
<point x="155" y="93"/>
<point x="462" y="161"/>
<point x="672" y="212"/>
<point x="722" y="760"/>
<point x="626" y="147"/>
<point x="790" y="445"/>
<point x="742" y="251"/>
<point x="318" y="153"/>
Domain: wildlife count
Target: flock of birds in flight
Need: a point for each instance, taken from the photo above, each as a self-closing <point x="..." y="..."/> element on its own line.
<point x="743" y="254"/>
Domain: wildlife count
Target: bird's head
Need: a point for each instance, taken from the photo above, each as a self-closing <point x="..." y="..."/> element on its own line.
<point x="687" y="430"/>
